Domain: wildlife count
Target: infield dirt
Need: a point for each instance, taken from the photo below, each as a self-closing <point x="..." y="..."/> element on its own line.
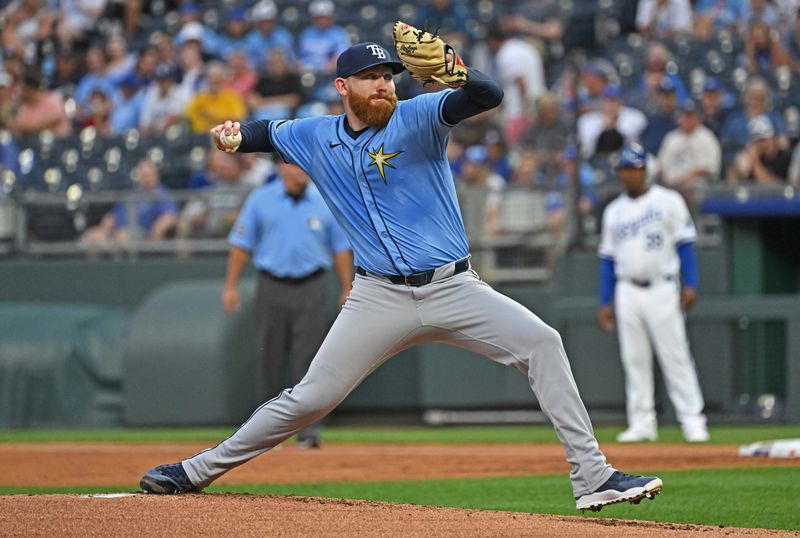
<point x="54" y="465"/>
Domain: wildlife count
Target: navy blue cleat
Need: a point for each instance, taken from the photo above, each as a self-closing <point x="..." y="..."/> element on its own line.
<point x="619" y="488"/>
<point x="167" y="480"/>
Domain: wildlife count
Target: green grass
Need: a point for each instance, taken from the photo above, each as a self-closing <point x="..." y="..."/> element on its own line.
<point x="763" y="497"/>
<point x="390" y="434"/>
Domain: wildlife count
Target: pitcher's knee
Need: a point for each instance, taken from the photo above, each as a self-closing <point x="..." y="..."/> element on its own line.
<point x="545" y="337"/>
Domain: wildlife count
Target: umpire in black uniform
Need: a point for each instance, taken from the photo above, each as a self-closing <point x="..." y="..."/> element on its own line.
<point x="293" y="239"/>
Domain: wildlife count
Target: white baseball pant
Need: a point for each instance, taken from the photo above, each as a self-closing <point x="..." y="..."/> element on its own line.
<point x="648" y="315"/>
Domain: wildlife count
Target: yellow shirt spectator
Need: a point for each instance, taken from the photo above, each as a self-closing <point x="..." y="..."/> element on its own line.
<point x="215" y="104"/>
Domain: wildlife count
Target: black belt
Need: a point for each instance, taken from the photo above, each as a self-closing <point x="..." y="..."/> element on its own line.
<point x="417" y="279"/>
<point x="646" y="283"/>
<point x="291" y="279"/>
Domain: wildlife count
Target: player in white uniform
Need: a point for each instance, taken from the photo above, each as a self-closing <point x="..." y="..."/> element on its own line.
<point x="648" y="235"/>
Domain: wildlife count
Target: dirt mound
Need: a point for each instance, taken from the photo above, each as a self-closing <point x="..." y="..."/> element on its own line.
<point x="269" y="515"/>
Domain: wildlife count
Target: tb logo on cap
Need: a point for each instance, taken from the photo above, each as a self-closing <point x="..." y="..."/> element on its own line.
<point x="377" y="51"/>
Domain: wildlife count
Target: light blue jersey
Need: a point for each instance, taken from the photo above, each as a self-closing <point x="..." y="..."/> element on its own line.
<point x="390" y="189"/>
<point x="287" y="237"/>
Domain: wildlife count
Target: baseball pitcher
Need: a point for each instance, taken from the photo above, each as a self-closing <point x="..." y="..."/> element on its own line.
<point x="381" y="168"/>
<point x="647" y="236"/>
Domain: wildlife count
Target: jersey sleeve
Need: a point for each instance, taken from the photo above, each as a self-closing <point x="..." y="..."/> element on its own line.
<point x="606" y="248"/>
<point x="337" y="240"/>
<point x="245" y="232"/>
<point x="427" y="120"/>
<point x="681" y="221"/>
<point x="295" y="140"/>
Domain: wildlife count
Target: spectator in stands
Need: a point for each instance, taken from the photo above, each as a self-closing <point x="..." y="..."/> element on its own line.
<point x="594" y="80"/>
<point x="120" y="62"/>
<point x="555" y="172"/>
<point x="763" y="51"/>
<point x="27" y="25"/>
<point x="757" y="102"/>
<point x="99" y="113"/>
<point x="163" y="102"/>
<point x="192" y="68"/>
<point x="39" y="110"/>
<point x="605" y="131"/>
<point x="497" y="149"/>
<point x="691" y="153"/>
<point x="552" y="129"/>
<point x="542" y="21"/>
<point x="657" y="59"/>
<point x="268" y="36"/>
<point x="662" y="120"/>
<point x="763" y="160"/>
<point x="127" y="106"/>
<point x="715" y="106"/>
<point x="145" y="69"/>
<point x="477" y="180"/>
<point x="711" y="16"/>
<point x="321" y="43"/>
<point x="257" y="169"/>
<point x="448" y="18"/>
<point x="76" y="20"/>
<point x="793" y="43"/>
<point x="794" y="168"/>
<point x="222" y="45"/>
<point x="278" y="91"/>
<point x="95" y="78"/>
<point x="66" y="74"/>
<point x="165" y="48"/>
<point x="242" y="78"/>
<point x="663" y="19"/>
<point x="212" y="106"/>
<point x="220" y="195"/>
<point x="156" y="213"/>
<point x="518" y="68"/>
<point x="760" y="12"/>
<point x="9" y="98"/>
<point x="9" y="155"/>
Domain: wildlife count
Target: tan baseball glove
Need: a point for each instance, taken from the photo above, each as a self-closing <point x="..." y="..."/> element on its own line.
<point x="427" y="57"/>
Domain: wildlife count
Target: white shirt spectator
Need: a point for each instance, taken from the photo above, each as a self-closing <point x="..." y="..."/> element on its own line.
<point x="516" y="60"/>
<point x="630" y="124"/>
<point x="664" y="17"/>
<point x="682" y="153"/>
<point x="157" y="109"/>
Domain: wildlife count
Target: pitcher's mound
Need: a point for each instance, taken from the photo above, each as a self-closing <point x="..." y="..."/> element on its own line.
<point x="220" y="514"/>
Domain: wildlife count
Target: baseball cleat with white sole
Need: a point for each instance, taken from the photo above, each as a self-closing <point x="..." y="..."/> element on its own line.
<point x="619" y="488"/>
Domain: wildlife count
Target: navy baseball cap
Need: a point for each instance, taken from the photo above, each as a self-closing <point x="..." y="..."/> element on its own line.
<point x="363" y="56"/>
<point x="632" y="156"/>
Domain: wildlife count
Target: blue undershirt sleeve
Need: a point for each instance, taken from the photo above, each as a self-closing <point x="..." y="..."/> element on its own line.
<point x="255" y="137"/>
<point x="479" y="94"/>
<point x="608" y="279"/>
<point x="689" y="276"/>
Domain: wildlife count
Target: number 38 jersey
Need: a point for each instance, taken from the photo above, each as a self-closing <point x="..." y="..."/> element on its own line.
<point x="641" y="235"/>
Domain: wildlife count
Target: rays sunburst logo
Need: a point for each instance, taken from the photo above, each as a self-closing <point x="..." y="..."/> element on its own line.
<point x="381" y="159"/>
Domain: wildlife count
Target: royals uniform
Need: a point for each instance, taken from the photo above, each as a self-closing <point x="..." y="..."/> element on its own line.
<point x="642" y="236"/>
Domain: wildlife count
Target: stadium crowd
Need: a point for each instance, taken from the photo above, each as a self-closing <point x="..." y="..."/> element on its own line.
<point x="91" y="89"/>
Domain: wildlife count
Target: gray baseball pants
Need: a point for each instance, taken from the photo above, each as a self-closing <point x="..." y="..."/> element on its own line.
<point x="381" y="319"/>
<point x="291" y="326"/>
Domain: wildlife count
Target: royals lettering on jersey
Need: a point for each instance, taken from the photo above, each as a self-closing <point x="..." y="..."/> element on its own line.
<point x="642" y="234"/>
<point x="389" y="188"/>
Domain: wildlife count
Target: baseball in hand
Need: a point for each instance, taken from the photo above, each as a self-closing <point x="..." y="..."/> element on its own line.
<point x="231" y="141"/>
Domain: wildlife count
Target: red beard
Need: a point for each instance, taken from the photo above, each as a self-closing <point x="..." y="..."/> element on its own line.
<point x="374" y="111"/>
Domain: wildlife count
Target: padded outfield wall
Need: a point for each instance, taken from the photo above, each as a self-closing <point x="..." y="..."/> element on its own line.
<point x="145" y="343"/>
